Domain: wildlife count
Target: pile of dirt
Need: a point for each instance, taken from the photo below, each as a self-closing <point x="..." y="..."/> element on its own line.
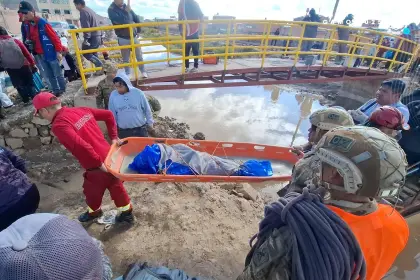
<point x="166" y="127"/>
<point x="202" y="228"/>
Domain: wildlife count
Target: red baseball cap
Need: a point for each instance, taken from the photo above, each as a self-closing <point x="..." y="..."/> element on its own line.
<point x="43" y="100"/>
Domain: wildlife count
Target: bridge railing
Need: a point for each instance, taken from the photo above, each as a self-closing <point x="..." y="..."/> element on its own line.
<point x="230" y="39"/>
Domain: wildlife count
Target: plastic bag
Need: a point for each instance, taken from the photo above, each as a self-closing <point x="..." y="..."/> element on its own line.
<point x="147" y="162"/>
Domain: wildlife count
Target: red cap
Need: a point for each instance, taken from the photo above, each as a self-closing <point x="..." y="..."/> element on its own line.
<point x="44" y="99"/>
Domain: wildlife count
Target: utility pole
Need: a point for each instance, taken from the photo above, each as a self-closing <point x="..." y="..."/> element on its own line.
<point x="335" y="10"/>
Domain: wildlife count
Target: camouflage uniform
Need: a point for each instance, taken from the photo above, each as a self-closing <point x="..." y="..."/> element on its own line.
<point x="305" y="169"/>
<point x="106" y="86"/>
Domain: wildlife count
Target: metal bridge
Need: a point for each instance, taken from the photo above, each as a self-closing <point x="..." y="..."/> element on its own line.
<point x="249" y="54"/>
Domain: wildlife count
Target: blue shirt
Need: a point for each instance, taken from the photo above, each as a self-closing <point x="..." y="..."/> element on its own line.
<point x="131" y="109"/>
<point x="372" y="105"/>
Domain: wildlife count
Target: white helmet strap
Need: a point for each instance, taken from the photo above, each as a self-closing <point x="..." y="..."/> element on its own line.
<point x="346" y="168"/>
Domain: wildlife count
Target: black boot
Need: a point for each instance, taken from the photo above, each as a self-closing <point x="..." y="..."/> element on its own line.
<point x="125" y="216"/>
<point x="88" y="217"/>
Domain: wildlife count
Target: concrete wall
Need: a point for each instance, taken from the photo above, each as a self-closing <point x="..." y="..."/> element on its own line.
<point x="354" y="93"/>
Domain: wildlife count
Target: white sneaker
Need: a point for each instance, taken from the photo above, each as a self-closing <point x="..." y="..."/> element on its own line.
<point x="193" y="70"/>
<point x="144" y="75"/>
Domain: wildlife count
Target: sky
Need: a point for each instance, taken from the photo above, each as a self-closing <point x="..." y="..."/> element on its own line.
<point x="389" y="14"/>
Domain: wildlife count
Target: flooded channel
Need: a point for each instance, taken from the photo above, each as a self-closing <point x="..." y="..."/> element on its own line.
<point x="272" y="115"/>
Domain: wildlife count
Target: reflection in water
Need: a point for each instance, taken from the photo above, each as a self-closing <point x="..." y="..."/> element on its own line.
<point x="246" y="114"/>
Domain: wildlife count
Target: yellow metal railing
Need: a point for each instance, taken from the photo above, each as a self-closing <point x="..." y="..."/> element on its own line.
<point x="255" y="43"/>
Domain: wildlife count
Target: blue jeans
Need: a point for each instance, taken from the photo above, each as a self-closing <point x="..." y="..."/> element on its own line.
<point x="94" y="42"/>
<point x="53" y="73"/>
<point x="38" y="59"/>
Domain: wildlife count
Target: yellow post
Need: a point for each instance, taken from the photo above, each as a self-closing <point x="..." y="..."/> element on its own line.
<point x="395" y="55"/>
<point x="133" y="54"/>
<point x="354" y="50"/>
<point x="184" y="29"/>
<point x="227" y="45"/>
<point x="203" y="27"/>
<point x="234" y="35"/>
<point x="412" y="58"/>
<point x="376" y="50"/>
<point x="329" y="46"/>
<point x="267" y="35"/>
<point x="290" y="35"/>
<point x="167" y="44"/>
<point x="299" y="44"/>
<point x="79" y="60"/>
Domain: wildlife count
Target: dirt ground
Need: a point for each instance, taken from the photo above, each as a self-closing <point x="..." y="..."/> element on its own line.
<point x="202" y="228"/>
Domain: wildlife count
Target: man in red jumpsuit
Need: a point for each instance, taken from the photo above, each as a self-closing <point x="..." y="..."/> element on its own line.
<point x="78" y="131"/>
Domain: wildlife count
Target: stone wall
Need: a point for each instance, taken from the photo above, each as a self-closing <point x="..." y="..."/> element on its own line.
<point x="21" y="131"/>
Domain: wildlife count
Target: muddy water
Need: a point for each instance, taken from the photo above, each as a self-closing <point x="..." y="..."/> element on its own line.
<point x="269" y="115"/>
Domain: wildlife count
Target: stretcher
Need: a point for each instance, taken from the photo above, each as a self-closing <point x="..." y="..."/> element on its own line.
<point x="281" y="158"/>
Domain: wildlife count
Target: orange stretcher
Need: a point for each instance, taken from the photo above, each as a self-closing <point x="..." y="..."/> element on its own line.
<point x="119" y="157"/>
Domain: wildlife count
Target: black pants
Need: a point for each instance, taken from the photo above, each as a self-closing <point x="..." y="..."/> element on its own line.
<point x="273" y="42"/>
<point x="25" y="206"/>
<point x="23" y="81"/>
<point x="133" y="132"/>
<point x="195" y="47"/>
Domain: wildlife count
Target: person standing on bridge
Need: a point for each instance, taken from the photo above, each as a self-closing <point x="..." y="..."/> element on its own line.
<point x="77" y="129"/>
<point x="119" y="13"/>
<point x="93" y="39"/>
<point x="130" y="108"/>
<point x="357" y="165"/>
<point x="388" y="94"/>
<point x="190" y="10"/>
<point x="311" y="31"/>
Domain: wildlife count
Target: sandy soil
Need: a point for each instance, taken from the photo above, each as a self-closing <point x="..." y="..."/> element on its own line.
<point x="198" y="227"/>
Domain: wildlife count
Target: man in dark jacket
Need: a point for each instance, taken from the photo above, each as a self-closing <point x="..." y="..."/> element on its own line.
<point x="311" y="31"/>
<point x="190" y="10"/>
<point x="92" y="40"/>
<point x="42" y="41"/>
<point x="120" y="13"/>
<point x="18" y="196"/>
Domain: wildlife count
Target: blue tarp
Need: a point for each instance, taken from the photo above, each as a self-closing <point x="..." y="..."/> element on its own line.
<point x="180" y="159"/>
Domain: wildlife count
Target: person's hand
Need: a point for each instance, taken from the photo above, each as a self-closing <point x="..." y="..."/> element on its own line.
<point x="298" y="150"/>
<point x="34" y="69"/>
<point x="86" y="43"/>
<point x="103" y="168"/>
<point x="59" y="56"/>
<point x="150" y="126"/>
<point x="117" y="142"/>
<point x="358" y="116"/>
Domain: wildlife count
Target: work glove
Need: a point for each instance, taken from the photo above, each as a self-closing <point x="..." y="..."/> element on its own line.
<point x="358" y="116"/>
<point x="34" y="69"/>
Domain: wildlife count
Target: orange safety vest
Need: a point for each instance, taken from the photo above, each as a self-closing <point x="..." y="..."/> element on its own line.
<point x="381" y="235"/>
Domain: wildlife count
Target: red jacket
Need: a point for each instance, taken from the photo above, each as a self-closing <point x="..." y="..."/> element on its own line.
<point x="34" y="36"/>
<point x="29" y="59"/>
<point x="78" y="131"/>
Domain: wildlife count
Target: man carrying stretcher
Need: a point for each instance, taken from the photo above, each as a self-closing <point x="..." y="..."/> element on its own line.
<point x="78" y="131"/>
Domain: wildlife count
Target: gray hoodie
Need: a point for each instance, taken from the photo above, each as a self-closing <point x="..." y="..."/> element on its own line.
<point x="131" y="109"/>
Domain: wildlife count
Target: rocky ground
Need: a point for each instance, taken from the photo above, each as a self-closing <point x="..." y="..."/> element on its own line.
<point x="202" y="228"/>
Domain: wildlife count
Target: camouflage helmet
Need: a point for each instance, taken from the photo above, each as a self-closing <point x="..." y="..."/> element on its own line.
<point x="109" y="67"/>
<point x="371" y="163"/>
<point x="329" y="118"/>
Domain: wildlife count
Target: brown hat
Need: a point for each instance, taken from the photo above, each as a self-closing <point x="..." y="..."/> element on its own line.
<point x="371" y="163"/>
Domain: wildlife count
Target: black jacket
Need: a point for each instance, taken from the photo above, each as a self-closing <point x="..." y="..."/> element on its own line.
<point x="119" y="16"/>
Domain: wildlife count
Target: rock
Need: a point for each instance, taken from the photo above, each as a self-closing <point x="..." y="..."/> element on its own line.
<point x="227" y="186"/>
<point x="40" y="121"/>
<point x="33" y="132"/>
<point x="26" y="130"/>
<point x="2" y="143"/>
<point x="248" y="191"/>
<point x="44" y="131"/>
<point x="46" y="140"/>
<point x="244" y="205"/>
<point x="32" y="143"/>
<point x="19" y="151"/>
<point x="52" y="133"/>
<point x="27" y="125"/>
<point x="14" y="143"/>
<point x="18" y="133"/>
